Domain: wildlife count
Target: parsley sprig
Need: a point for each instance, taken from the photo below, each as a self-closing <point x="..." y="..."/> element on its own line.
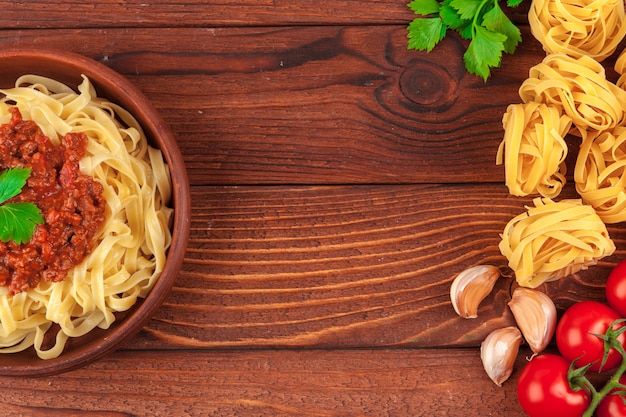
<point x="17" y="220"/>
<point x="482" y="21"/>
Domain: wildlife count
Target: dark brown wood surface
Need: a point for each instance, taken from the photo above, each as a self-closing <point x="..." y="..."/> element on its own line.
<point x="339" y="183"/>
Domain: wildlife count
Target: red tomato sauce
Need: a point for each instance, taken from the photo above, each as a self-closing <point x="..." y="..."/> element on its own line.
<point x="71" y="204"/>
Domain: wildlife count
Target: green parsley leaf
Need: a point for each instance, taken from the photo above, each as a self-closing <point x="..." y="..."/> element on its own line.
<point x="425" y="33"/>
<point x="12" y="181"/>
<point x="17" y="220"/>
<point x="484" y="52"/>
<point x="483" y="22"/>
<point x="451" y="18"/>
<point x="496" y="21"/>
<point x="424" y="7"/>
<point x="467" y="8"/>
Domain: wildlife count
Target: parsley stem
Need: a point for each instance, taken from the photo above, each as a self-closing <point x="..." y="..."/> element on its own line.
<point x="479" y="15"/>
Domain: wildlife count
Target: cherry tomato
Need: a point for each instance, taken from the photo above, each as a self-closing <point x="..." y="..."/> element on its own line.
<point x="612" y="405"/>
<point x="543" y="389"/>
<point x="616" y="288"/>
<point x="576" y="339"/>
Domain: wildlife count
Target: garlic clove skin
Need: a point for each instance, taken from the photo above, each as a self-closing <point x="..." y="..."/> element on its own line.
<point x="499" y="351"/>
<point x="535" y="315"/>
<point x="471" y="287"/>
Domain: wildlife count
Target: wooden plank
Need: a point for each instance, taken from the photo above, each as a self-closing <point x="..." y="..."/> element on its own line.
<point x="312" y="105"/>
<point x="199" y="13"/>
<point x="353" y="266"/>
<point x="277" y="383"/>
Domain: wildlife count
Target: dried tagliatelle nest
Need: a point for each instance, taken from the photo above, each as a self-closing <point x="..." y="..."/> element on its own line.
<point x="579" y="88"/>
<point x="554" y="239"/>
<point x="534" y="149"/>
<point x="600" y="173"/>
<point x="583" y="27"/>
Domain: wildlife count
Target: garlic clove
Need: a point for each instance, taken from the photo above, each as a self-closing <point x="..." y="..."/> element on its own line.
<point x="535" y="315"/>
<point x="498" y="353"/>
<point x="471" y="287"/>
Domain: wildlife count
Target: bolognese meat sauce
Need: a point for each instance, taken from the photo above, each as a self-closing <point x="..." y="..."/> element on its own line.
<point x="71" y="204"/>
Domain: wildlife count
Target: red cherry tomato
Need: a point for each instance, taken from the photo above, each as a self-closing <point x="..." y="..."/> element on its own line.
<point x="575" y="335"/>
<point x="616" y="288"/>
<point x="612" y="405"/>
<point x="543" y="389"/>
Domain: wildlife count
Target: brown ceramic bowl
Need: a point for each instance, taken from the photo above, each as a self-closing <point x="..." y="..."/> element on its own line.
<point x="67" y="68"/>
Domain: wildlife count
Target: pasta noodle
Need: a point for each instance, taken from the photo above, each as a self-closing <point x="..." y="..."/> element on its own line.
<point x="620" y="68"/>
<point x="533" y="149"/>
<point x="554" y="239"/>
<point x="131" y="247"/>
<point x="579" y="87"/>
<point x="578" y="28"/>
<point x="600" y="173"/>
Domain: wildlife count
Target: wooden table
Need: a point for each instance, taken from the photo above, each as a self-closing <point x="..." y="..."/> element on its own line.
<point x="339" y="183"/>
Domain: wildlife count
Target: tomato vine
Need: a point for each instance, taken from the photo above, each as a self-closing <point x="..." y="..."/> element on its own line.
<point x="611" y="341"/>
<point x="574" y="395"/>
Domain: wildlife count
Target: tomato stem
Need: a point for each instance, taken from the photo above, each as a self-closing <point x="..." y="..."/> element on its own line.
<point x="610" y="341"/>
<point x="598" y="396"/>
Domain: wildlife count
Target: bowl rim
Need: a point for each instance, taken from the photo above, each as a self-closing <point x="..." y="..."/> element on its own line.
<point x="105" y="78"/>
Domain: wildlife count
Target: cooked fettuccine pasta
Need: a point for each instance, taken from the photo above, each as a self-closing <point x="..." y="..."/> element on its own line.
<point x="130" y="248"/>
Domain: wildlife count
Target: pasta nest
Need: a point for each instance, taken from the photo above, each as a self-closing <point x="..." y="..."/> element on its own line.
<point x="578" y="27"/>
<point x="579" y="87"/>
<point x="534" y="149"/>
<point x="553" y="240"/>
<point x="600" y="173"/>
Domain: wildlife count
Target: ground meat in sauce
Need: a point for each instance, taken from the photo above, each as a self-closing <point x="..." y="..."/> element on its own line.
<point x="71" y="204"/>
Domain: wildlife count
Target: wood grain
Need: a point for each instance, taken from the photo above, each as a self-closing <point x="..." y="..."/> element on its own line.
<point x="60" y="14"/>
<point x="339" y="184"/>
<point x="344" y="267"/>
<point x="312" y="105"/>
<point x="277" y="383"/>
